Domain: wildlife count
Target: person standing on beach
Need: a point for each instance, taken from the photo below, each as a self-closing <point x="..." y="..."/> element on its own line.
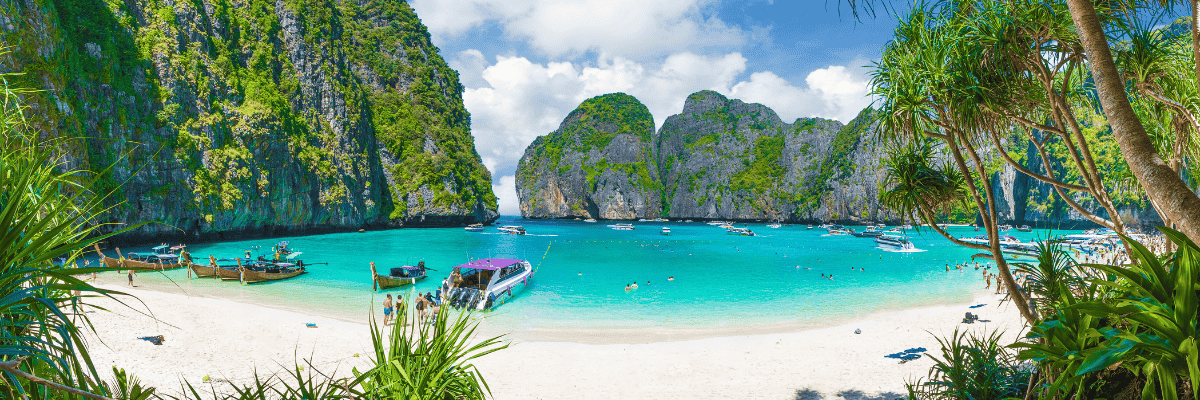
<point x="130" y="274"/>
<point x="387" y="309"/>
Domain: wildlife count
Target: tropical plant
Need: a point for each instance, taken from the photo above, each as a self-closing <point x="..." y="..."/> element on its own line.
<point x="47" y="211"/>
<point x="919" y="188"/>
<point x="972" y="366"/>
<point x="428" y="358"/>
<point x="1154" y="330"/>
<point x="1049" y="280"/>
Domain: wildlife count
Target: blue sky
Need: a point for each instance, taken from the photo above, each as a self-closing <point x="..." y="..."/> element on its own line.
<point x="527" y="63"/>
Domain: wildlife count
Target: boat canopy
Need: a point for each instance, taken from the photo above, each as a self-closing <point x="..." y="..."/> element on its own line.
<point x="410" y="267"/>
<point x="490" y="264"/>
<point x="163" y="247"/>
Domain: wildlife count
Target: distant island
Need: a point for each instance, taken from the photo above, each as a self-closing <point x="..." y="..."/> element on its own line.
<point x="724" y="159"/>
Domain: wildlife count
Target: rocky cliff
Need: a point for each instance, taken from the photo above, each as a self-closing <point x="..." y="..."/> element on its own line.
<point x="598" y="164"/>
<point x="718" y="159"/>
<point x="226" y="118"/>
<point x="724" y="159"/>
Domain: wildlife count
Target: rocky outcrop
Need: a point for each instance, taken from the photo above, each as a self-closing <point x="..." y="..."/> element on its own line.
<point x="724" y="159"/>
<point x="598" y="164"/>
<point x="223" y="118"/>
<point x="718" y="159"/>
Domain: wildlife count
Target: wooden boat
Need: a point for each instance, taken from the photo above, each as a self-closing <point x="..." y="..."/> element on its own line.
<point x="205" y="271"/>
<point x="256" y="276"/>
<point x="227" y="274"/>
<point x="263" y="272"/>
<point x="400" y="276"/>
<point x="125" y="263"/>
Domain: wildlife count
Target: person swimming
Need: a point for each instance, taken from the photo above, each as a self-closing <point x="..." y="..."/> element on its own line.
<point x="634" y="286"/>
<point x="670" y="278"/>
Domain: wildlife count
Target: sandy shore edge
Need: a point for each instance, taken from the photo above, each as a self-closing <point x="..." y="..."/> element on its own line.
<point x="232" y="341"/>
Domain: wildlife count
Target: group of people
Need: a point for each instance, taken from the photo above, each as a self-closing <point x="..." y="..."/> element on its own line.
<point x="424" y="306"/>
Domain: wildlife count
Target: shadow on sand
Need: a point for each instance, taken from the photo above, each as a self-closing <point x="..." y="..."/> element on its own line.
<point x="809" y="394"/>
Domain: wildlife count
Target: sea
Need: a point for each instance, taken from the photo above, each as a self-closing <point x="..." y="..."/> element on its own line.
<point x="777" y="280"/>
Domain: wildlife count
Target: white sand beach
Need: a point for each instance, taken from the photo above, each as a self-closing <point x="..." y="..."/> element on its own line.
<point x="228" y="340"/>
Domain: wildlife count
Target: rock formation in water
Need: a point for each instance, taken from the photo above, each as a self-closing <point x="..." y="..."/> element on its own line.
<point x="598" y="164"/>
<point x="724" y="159"/>
<point x="227" y="118"/>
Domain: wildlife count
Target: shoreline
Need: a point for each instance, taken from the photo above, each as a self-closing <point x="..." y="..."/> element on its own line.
<point x="497" y="322"/>
<point x="226" y="339"/>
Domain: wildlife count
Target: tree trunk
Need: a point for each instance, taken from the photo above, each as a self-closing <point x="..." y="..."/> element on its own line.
<point x="1164" y="187"/>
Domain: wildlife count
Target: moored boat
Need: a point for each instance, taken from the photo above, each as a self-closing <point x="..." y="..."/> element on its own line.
<point x="144" y="262"/>
<point x="205" y="271"/>
<point x="398" y="276"/>
<point x="1024" y="228"/>
<point x="589" y="220"/>
<point x="870" y="232"/>
<point x="775" y="225"/>
<point x="512" y="229"/>
<point x="622" y="227"/>
<point x="485" y="284"/>
<point x="665" y="231"/>
<point x="895" y="241"/>
<point x="474" y="228"/>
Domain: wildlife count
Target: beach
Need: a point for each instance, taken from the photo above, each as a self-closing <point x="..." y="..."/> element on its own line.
<point x="228" y="340"/>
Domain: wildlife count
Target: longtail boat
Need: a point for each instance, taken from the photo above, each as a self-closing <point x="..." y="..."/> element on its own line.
<point x="257" y="272"/>
<point x="398" y="276"/>
<point x="108" y="261"/>
<point x="205" y="271"/>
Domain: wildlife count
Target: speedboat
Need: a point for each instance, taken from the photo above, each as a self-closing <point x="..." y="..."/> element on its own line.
<point x="1004" y="228"/>
<point x="665" y="231"/>
<point x="621" y="227"/>
<point x="732" y="230"/>
<point x="717" y="223"/>
<point x="512" y="229"/>
<point x="983" y="239"/>
<point x="484" y="284"/>
<point x="775" y="225"/>
<point x="895" y="241"/>
<point x="838" y="230"/>
<point x="1018" y="250"/>
<point x="1024" y="228"/>
<point x="810" y="227"/>
<point x="870" y="232"/>
<point x="589" y="220"/>
<point x="474" y="228"/>
<point x="905" y="227"/>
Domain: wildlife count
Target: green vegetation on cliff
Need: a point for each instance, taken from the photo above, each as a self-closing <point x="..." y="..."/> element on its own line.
<point x="344" y="105"/>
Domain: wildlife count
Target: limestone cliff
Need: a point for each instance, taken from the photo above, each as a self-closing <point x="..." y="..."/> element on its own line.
<point x="725" y="159"/>
<point x="598" y="164"/>
<point x="226" y="118"/>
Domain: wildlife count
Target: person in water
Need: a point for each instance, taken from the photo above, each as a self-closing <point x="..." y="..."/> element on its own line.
<point x="671" y="279"/>
<point x="626" y="288"/>
<point x="387" y="309"/>
<point x="634" y="286"/>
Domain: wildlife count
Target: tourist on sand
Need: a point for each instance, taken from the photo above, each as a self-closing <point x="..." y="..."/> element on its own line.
<point x="387" y="309"/>
<point x="130" y="274"/>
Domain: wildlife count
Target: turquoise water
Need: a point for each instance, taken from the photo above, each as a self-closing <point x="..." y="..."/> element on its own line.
<point x="721" y="281"/>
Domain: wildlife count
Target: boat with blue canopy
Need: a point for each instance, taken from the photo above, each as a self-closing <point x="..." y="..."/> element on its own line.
<point x="485" y="284"/>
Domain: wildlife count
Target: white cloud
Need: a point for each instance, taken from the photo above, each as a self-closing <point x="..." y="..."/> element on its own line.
<point x="506" y="194"/>
<point x="627" y="28"/>
<point x="835" y="92"/>
<point x="523" y="99"/>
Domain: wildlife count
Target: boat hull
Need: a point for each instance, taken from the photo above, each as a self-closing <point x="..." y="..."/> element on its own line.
<point x="228" y="274"/>
<point x="251" y="276"/>
<point x="387" y="282"/>
<point x="203" y="271"/>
